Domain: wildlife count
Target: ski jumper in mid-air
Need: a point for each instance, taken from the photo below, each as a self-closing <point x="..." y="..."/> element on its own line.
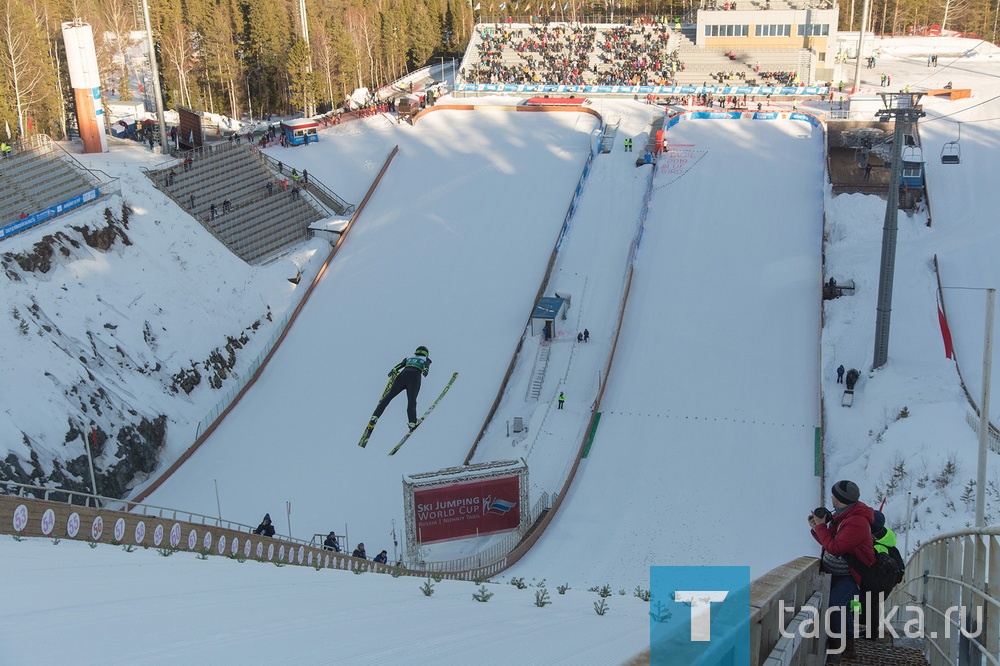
<point x="406" y="376"/>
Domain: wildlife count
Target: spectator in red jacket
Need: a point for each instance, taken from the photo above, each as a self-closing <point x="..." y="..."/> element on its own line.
<point x="844" y="531"/>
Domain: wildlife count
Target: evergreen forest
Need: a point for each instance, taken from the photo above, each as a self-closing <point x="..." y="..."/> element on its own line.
<point x="257" y="57"/>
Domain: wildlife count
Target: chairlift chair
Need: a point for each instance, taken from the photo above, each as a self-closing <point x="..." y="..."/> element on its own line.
<point x="951" y="152"/>
<point x="913" y="154"/>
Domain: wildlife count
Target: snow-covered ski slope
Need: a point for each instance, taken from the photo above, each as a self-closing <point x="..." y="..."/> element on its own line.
<point x="712" y="398"/>
<point x="449" y="254"/>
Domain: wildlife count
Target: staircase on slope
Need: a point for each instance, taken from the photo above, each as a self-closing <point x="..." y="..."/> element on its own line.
<point x="610" y="132"/>
<point x="538" y="376"/>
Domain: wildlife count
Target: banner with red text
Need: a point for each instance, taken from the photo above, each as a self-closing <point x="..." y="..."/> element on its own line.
<point x="468" y="509"/>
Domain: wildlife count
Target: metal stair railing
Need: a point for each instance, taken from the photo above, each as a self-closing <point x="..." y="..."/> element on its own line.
<point x="538" y="376"/>
<point x="318" y="189"/>
<point x="949" y="591"/>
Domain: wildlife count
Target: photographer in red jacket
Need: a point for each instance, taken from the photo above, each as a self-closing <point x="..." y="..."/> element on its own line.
<point x="844" y="531"/>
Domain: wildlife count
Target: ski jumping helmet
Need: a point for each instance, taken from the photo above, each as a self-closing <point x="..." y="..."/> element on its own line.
<point x="422" y="351"/>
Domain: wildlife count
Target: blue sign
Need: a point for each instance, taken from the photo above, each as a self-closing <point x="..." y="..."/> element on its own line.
<point x="699" y="616"/>
<point x="635" y="90"/>
<point x="48" y="213"/>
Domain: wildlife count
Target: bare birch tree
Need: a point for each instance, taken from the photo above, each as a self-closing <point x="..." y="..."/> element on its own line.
<point x="20" y="45"/>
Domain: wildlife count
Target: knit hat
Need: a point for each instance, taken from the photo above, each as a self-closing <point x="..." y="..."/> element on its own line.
<point x="878" y="525"/>
<point x="846" y="491"/>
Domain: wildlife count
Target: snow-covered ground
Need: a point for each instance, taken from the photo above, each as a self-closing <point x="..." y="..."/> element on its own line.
<point x="722" y="327"/>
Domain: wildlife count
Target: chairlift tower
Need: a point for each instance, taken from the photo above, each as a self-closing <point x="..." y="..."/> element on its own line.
<point x="905" y="110"/>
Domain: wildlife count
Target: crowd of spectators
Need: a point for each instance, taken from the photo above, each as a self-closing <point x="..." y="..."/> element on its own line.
<point x="561" y="54"/>
<point x="546" y="54"/>
<point x="739" y="77"/>
<point x="634" y="56"/>
<point x="639" y="53"/>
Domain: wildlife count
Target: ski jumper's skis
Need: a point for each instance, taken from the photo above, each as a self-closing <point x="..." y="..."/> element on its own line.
<point x="429" y="410"/>
<point x="371" y="424"/>
<point x="366" y="435"/>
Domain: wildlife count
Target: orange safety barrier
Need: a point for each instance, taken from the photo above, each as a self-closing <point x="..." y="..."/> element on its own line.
<point x="952" y="93"/>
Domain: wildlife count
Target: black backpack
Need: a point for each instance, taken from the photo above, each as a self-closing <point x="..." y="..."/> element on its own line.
<point x="885" y="574"/>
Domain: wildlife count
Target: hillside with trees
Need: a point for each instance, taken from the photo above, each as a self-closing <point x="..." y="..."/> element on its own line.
<point x="232" y="57"/>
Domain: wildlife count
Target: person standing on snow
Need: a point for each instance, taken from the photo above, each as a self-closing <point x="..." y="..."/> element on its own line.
<point x="406" y="376"/>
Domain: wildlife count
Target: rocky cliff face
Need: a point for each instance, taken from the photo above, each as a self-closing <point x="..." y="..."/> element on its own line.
<point x="108" y="382"/>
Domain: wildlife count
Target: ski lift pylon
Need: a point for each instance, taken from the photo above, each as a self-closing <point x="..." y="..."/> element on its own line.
<point x="951" y="152"/>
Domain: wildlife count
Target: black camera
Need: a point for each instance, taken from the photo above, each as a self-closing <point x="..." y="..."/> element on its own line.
<point x="823" y="514"/>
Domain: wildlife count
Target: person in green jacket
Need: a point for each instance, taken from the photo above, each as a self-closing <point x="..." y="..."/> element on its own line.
<point x="884" y="541"/>
<point x="407" y="377"/>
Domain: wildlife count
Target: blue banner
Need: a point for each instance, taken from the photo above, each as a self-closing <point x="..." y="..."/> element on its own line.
<point x="788" y="91"/>
<point x="699" y="616"/>
<point x="48" y="213"/>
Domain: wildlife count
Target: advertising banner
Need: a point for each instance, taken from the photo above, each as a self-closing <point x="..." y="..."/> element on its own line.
<point x="462" y="510"/>
<point x="48" y="213"/>
<point x="794" y="91"/>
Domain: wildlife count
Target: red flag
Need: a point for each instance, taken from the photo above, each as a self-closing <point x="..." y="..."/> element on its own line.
<point x="949" y="348"/>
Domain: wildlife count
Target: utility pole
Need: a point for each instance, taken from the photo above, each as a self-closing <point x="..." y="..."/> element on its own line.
<point x="90" y="463"/>
<point x="157" y="95"/>
<point x="308" y="108"/>
<point x="861" y="45"/>
<point x="904" y="109"/>
<point x="984" y="408"/>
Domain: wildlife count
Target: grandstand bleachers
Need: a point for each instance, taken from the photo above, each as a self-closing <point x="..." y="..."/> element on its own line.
<point x="642" y="54"/>
<point x="260" y="224"/>
<point x="39" y="175"/>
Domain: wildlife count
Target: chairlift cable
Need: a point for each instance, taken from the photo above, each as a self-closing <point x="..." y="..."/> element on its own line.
<point x="924" y="122"/>
<point x="946" y="66"/>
